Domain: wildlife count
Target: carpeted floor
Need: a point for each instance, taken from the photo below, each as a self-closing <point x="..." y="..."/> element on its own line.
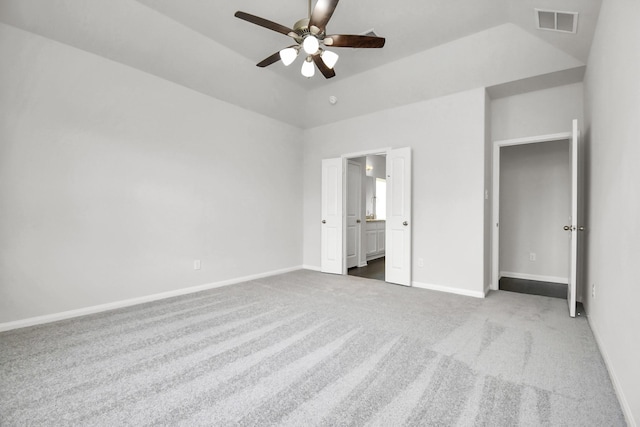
<point x="305" y="349"/>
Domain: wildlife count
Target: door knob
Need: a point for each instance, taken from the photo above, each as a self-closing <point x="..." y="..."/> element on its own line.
<point x="324" y="222"/>
<point x="580" y="228"/>
<point x="358" y="221"/>
<point x="566" y="228"/>
<point x="405" y="223"/>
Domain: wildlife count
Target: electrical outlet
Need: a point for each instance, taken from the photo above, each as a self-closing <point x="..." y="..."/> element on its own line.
<point x="532" y="256"/>
<point x="593" y="290"/>
<point x="196" y="264"/>
<point x="420" y="262"/>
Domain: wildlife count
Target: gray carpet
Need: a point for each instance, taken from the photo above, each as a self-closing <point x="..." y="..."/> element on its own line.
<point x="306" y="348"/>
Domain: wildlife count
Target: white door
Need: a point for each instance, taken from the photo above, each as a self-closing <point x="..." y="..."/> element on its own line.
<point x="354" y="204"/>
<point x="331" y="237"/>
<point x="574" y="227"/>
<point x="398" y="227"/>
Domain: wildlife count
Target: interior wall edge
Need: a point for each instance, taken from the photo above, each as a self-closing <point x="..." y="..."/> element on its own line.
<point x="624" y="402"/>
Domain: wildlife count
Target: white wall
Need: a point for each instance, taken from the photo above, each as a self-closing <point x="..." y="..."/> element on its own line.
<point x="498" y="55"/>
<point x="541" y="112"/>
<point x="448" y="181"/>
<point x="534" y="206"/>
<point x="379" y="170"/>
<point x="112" y="181"/>
<point x="379" y="165"/>
<point x="612" y="107"/>
<point x="131" y="33"/>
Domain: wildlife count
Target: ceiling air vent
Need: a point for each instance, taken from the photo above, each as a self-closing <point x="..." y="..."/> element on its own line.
<point x="553" y="20"/>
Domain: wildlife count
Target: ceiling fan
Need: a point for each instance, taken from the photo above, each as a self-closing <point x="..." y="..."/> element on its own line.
<point x="311" y="38"/>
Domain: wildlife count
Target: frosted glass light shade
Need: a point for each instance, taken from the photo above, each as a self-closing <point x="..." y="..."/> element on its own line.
<point x="329" y="58"/>
<point x="308" y="70"/>
<point x="288" y="55"/>
<point x="310" y="44"/>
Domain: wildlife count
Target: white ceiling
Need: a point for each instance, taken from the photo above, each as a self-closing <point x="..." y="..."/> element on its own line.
<point x="409" y="26"/>
<point x="433" y="47"/>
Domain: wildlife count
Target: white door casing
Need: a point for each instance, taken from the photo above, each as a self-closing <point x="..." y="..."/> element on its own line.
<point x="398" y="225"/>
<point x="495" y="232"/>
<point x="574" y="226"/>
<point x="331" y="237"/>
<point x="353" y="208"/>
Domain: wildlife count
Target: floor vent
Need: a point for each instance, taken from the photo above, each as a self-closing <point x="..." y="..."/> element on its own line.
<point x="553" y="20"/>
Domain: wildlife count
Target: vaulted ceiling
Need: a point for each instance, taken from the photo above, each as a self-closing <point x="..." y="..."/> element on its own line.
<point x="201" y="45"/>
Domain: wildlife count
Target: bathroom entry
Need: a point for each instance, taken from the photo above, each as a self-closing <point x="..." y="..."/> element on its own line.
<point x="397" y="233"/>
<point x="366" y="194"/>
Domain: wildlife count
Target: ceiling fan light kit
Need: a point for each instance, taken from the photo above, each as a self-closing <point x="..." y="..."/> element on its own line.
<point x="308" y="70"/>
<point x="288" y="55"/>
<point x="310" y="44"/>
<point x="329" y="58"/>
<point x="310" y="36"/>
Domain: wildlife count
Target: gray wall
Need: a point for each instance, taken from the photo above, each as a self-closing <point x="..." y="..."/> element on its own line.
<point x="612" y="110"/>
<point x="534" y="206"/>
<point x="537" y="113"/>
<point x="112" y="181"/>
<point x="379" y="164"/>
<point x="448" y="182"/>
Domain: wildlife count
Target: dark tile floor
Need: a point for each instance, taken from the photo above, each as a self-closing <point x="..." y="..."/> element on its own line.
<point x="373" y="270"/>
<point x="547" y="289"/>
<point x="532" y="287"/>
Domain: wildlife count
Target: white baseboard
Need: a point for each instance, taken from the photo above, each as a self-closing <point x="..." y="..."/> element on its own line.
<point x="311" y="267"/>
<point x="32" y="321"/>
<point x="449" y="289"/>
<point x="525" y="276"/>
<point x="624" y="403"/>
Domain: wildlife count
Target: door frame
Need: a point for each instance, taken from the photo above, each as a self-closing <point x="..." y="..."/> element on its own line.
<point x="495" y="210"/>
<point x="345" y="158"/>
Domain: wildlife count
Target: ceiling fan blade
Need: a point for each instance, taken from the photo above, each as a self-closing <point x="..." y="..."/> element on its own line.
<point x="326" y="71"/>
<point x="321" y="15"/>
<point x="347" y="40"/>
<point x="270" y="60"/>
<point x="266" y="23"/>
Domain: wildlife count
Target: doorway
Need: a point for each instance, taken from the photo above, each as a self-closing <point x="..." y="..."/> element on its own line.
<point x="535" y="192"/>
<point x="366" y="192"/>
<point x="397" y="224"/>
<point x="523" y="237"/>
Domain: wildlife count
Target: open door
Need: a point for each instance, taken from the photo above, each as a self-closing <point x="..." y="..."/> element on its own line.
<point x="574" y="227"/>
<point x="331" y="237"/>
<point x="353" y="213"/>
<point x="398" y="227"/>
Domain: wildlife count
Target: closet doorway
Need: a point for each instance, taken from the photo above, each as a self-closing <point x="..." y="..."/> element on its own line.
<point x="571" y="227"/>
